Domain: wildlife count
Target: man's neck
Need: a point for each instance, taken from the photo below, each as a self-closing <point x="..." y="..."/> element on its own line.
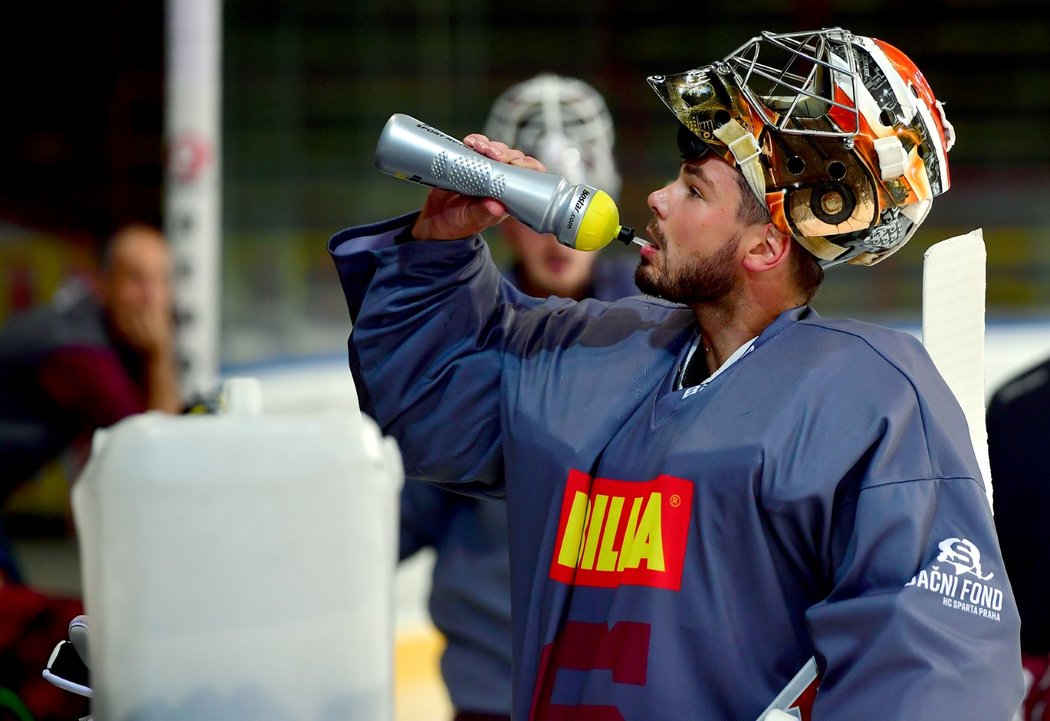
<point x="725" y="326"/>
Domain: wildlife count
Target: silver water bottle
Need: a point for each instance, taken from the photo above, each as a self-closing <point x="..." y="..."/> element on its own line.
<point x="580" y="216"/>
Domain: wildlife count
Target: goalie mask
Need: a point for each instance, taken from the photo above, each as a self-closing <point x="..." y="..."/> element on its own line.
<point x="562" y="122"/>
<point x="839" y="135"/>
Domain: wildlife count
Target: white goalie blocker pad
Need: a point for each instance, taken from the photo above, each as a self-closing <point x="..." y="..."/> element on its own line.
<point x="953" y="310"/>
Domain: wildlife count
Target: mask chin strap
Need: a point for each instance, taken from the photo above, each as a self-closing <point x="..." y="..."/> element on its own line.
<point x="824" y="249"/>
<point x="744" y="147"/>
<point x="745" y="150"/>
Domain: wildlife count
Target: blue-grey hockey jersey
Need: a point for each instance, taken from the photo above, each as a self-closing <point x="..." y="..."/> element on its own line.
<point x="679" y="554"/>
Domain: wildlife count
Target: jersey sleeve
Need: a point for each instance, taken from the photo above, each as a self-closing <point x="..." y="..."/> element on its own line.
<point x="430" y="321"/>
<point x="940" y="645"/>
<point x="920" y="620"/>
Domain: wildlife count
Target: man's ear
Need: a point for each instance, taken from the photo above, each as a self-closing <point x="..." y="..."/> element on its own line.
<point x="766" y="248"/>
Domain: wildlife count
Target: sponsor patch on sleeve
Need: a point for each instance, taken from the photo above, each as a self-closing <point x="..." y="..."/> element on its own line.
<point x="956" y="575"/>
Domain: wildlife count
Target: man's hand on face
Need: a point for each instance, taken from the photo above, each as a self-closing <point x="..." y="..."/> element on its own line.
<point x="148" y="329"/>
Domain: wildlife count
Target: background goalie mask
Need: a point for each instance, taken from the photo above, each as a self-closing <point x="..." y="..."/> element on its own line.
<point x="562" y="122"/>
<point x="839" y="135"/>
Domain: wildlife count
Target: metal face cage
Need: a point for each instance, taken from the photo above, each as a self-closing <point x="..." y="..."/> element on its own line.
<point x="797" y="77"/>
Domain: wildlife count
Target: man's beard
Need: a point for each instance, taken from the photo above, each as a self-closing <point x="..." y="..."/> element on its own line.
<point x="699" y="280"/>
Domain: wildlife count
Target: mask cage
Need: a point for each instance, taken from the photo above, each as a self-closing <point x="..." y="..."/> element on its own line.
<point x="562" y="122"/>
<point x="794" y="76"/>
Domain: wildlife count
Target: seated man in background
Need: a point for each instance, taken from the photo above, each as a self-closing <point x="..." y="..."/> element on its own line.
<point x="565" y="123"/>
<point x="86" y="360"/>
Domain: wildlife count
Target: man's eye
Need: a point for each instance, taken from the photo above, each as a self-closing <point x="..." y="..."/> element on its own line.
<point x="694" y="192"/>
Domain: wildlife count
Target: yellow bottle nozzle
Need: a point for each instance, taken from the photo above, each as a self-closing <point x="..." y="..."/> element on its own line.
<point x="600" y="224"/>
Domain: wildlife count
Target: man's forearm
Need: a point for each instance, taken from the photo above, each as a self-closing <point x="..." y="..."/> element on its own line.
<point x="162" y="383"/>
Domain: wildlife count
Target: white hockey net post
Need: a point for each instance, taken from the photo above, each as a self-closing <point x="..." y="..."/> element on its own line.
<point x="192" y="200"/>
<point x="953" y="315"/>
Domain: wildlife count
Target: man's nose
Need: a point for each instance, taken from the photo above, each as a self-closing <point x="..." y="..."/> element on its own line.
<point x="658" y="201"/>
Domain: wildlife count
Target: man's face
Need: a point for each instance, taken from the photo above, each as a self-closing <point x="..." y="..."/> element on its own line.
<point x="136" y="289"/>
<point x="695" y="233"/>
<point x="547" y="266"/>
<point x="139" y="273"/>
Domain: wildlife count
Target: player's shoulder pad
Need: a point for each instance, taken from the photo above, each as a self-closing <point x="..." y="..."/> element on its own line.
<point x="899" y="348"/>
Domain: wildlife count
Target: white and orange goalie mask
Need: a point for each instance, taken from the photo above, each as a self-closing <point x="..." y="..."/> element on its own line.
<point x="839" y="135"/>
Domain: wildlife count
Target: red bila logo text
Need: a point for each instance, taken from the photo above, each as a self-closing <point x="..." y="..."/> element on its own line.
<point x="614" y="533"/>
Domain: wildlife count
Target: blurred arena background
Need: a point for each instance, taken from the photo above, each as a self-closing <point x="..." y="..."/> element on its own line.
<point x="306" y="88"/>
